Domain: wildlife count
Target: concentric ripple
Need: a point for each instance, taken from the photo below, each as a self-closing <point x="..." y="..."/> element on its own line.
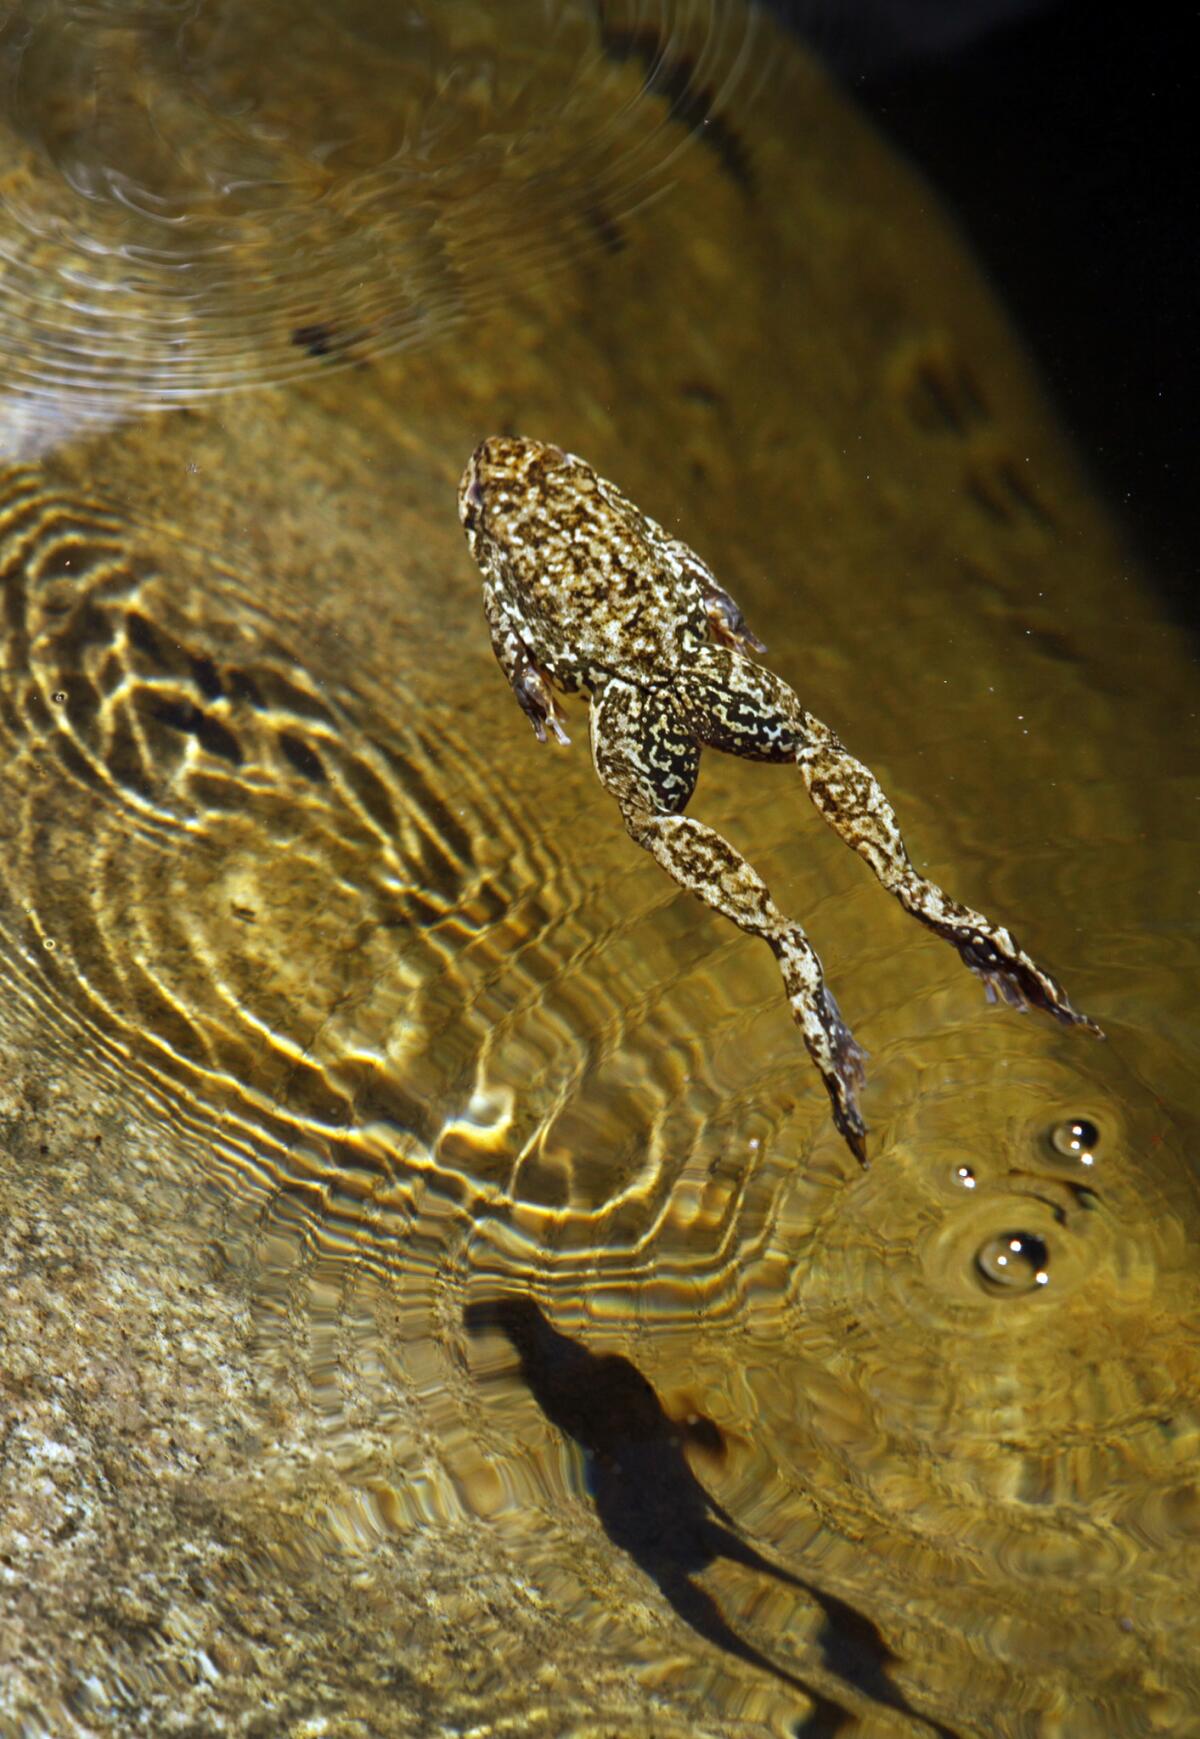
<point x="201" y="196"/>
<point x="320" y="928"/>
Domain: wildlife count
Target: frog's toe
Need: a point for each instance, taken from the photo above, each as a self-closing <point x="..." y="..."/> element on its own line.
<point x="554" y="720"/>
<point x="998" y="987"/>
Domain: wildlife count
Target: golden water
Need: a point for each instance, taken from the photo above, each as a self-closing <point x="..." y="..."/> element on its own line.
<point x="592" y="1380"/>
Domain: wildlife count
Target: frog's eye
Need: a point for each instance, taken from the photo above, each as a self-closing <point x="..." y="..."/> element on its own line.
<point x="471" y="502"/>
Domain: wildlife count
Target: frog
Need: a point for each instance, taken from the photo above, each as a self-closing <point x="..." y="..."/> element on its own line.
<point x="582" y="591"/>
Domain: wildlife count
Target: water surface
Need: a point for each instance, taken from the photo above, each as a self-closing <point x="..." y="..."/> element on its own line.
<point x="471" y="1319"/>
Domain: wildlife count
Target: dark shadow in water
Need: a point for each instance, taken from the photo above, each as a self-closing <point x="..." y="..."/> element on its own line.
<point x="653" y="1507"/>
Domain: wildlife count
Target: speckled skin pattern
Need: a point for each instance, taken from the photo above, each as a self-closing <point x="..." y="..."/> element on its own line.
<point x="583" y="590"/>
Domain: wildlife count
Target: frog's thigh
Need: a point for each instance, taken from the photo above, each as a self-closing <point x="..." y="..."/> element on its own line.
<point x="735" y="705"/>
<point x="648" y="760"/>
<point x="644" y="752"/>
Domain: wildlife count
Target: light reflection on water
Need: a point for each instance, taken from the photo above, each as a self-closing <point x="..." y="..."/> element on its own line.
<point x="553" y="1276"/>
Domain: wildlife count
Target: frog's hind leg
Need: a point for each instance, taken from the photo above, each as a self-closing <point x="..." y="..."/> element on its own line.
<point x="736" y="705"/>
<point x="850" y="798"/>
<point x="647" y="756"/>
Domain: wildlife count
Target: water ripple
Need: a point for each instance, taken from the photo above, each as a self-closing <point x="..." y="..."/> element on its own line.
<point x="196" y="201"/>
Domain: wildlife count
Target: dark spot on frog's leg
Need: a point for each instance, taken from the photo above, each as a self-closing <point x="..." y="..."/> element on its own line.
<point x="646" y="755"/>
<point x="851" y="800"/>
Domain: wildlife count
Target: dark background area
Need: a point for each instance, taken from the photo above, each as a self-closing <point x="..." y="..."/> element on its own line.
<point x="1058" y="134"/>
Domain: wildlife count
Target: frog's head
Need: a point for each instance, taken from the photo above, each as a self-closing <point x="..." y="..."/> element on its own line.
<point x="500" y="471"/>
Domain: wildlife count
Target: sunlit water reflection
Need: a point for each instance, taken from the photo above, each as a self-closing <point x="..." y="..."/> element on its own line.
<point x="587" y="1371"/>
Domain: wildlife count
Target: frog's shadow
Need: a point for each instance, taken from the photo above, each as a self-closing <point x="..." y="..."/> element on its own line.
<point x="652" y="1506"/>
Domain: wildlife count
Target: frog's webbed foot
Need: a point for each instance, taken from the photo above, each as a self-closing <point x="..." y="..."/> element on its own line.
<point x="1008" y="974"/>
<point x="646" y="755"/>
<point x="840" y="1059"/>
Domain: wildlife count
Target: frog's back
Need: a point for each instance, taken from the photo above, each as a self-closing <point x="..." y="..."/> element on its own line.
<point x="602" y="578"/>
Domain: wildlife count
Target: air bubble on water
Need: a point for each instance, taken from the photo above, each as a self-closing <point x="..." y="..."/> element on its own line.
<point x="1076" y="1138"/>
<point x="1013" y="1262"/>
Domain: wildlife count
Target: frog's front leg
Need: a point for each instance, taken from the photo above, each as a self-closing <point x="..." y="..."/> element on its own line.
<point x="647" y="756"/>
<point x="726" y="622"/>
<point x="529" y="682"/>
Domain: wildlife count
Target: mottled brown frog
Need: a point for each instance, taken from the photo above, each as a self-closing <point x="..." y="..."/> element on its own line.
<point x="584" y="591"/>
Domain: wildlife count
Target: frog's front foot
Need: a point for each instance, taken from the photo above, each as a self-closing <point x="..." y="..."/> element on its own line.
<point x="725" y="620"/>
<point x="538" y="703"/>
